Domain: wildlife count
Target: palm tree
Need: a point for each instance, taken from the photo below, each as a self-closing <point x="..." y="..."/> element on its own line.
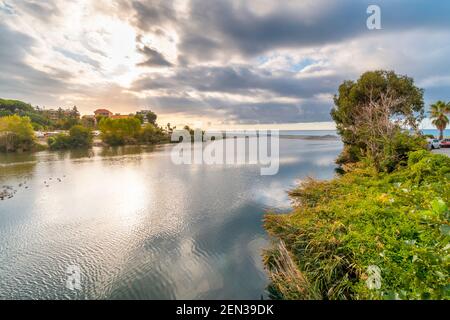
<point x="438" y="115"/>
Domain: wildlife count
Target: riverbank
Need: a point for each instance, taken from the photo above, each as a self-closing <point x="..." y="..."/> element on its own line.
<point x="366" y="235"/>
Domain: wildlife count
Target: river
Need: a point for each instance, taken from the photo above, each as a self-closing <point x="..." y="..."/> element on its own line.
<point x="137" y="226"/>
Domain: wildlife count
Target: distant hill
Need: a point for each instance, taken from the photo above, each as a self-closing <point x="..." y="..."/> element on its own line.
<point x="11" y="107"/>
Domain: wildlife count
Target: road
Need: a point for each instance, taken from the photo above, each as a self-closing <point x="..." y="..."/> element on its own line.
<point x="445" y="151"/>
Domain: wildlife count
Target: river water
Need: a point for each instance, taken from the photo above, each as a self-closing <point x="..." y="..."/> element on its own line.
<point x="136" y="226"/>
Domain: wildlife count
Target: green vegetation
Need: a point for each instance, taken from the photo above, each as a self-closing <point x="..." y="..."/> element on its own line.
<point x="151" y="134"/>
<point x="67" y="119"/>
<point x="40" y="119"/>
<point x="370" y="112"/>
<point x="119" y="131"/>
<point x="439" y="117"/>
<point x="129" y="131"/>
<point x="396" y="221"/>
<point x="381" y="229"/>
<point x="78" y="137"/>
<point x="15" y="107"/>
<point x="16" y="134"/>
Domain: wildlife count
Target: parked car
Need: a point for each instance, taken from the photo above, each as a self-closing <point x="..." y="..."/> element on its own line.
<point x="445" y="143"/>
<point x="39" y="134"/>
<point x="433" y="144"/>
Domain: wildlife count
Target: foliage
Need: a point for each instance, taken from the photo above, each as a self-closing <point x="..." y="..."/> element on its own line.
<point x="16" y="134"/>
<point x="140" y="117"/>
<point x="120" y="131"/>
<point x="151" y="134"/>
<point x="129" y="131"/>
<point x="439" y="118"/>
<point x="151" y="117"/>
<point x="12" y="107"/>
<point x="397" y="221"/>
<point x="78" y="137"/>
<point x="61" y="141"/>
<point x="88" y="122"/>
<point x="66" y="123"/>
<point x="369" y="113"/>
<point x="395" y="151"/>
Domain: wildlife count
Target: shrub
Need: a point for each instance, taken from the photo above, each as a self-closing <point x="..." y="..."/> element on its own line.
<point x="398" y="222"/>
<point x="129" y="131"/>
<point x="120" y="131"/>
<point x="151" y="134"/>
<point x="16" y="134"/>
<point x="59" y="142"/>
<point x="78" y="137"/>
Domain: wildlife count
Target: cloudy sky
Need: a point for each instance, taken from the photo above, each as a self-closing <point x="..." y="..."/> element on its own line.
<point x="222" y="62"/>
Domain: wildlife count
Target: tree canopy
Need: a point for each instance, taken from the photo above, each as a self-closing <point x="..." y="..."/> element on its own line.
<point x="438" y="112"/>
<point x="370" y="113"/>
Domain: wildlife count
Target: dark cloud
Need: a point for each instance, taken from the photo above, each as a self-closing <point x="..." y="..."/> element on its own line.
<point x="240" y="79"/>
<point x="222" y="46"/>
<point x="309" y="110"/>
<point x="218" y="27"/>
<point x="153" y="14"/>
<point x="154" y="58"/>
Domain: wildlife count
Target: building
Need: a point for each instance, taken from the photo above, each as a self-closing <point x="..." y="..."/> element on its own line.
<point x="103" y="113"/>
<point x="57" y="114"/>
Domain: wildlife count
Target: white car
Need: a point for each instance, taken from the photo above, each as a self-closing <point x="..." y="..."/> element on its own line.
<point x="39" y="134"/>
<point x="434" y="144"/>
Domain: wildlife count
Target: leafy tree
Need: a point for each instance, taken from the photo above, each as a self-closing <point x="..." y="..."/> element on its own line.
<point x="140" y="117"/>
<point x="15" y="106"/>
<point x="78" y="137"/>
<point x="150" y="134"/>
<point x="81" y="137"/>
<point x="11" y="107"/>
<point x="61" y="141"/>
<point x="119" y="131"/>
<point x="16" y="133"/>
<point x="151" y="117"/>
<point x="439" y="118"/>
<point x="75" y="113"/>
<point x="370" y="112"/>
<point x="88" y="122"/>
<point x="60" y="113"/>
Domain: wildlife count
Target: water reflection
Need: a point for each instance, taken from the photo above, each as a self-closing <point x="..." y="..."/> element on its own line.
<point x="141" y="227"/>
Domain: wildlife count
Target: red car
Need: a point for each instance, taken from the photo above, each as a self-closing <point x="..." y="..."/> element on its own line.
<point x="445" y="143"/>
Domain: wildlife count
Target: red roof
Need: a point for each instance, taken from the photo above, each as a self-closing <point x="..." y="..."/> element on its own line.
<point x="102" y="111"/>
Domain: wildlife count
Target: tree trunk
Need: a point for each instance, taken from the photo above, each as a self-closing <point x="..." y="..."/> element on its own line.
<point x="441" y="134"/>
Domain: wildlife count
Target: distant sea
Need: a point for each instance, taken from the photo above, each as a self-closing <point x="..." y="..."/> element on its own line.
<point x="318" y="133"/>
<point x="435" y="132"/>
<point x="334" y="133"/>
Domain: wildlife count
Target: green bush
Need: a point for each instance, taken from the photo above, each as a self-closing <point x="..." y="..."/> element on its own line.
<point x="119" y="131"/>
<point x="16" y="134"/>
<point x="81" y="137"/>
<point x="340" y="229"/>
<point x="397" y="149"/>
<point x="78" y="137"/>
<point x="129" y="131"/>
<point x="16" y="107"/>
<point x="61" y="141"/>
<point x="151" y="134"/>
